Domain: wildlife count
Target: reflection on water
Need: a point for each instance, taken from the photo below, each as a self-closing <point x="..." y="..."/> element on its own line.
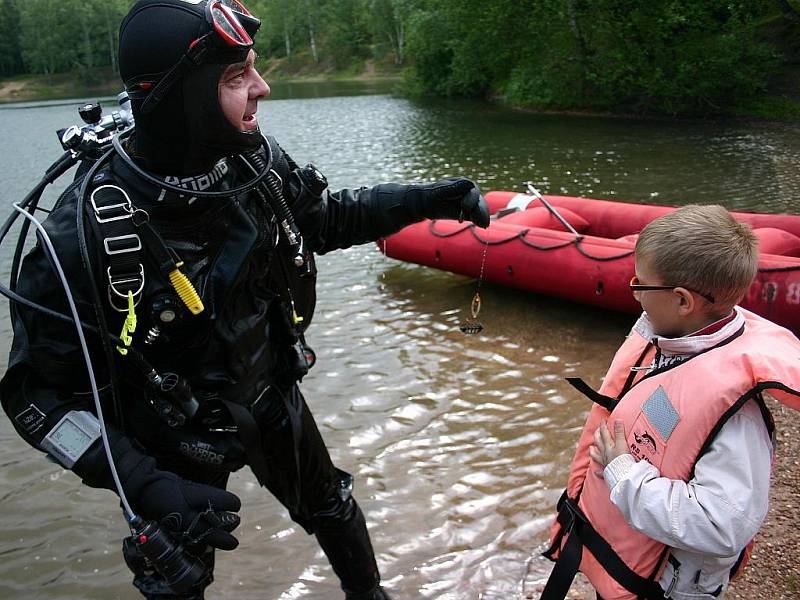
<point x="459" y="443"/>
<point x="282" y="90"/>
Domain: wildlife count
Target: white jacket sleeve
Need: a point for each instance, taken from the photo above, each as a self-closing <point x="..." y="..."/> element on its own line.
<point x="716" y="513"/>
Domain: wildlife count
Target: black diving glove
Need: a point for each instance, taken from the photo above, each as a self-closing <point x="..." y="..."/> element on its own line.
<point x="331" y="220"/>
<point x="452" y="198"/>
<point x="201" y="514"/>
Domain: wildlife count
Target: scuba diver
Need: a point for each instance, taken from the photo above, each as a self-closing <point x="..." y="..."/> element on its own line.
<point x="193" y="235"/>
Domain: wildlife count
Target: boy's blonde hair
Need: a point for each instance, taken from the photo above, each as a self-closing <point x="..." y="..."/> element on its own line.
<point x="703" y="248"/>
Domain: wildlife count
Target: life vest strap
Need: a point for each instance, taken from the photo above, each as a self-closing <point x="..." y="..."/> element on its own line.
<point x="581" y="533"/>
<point x="569" y="559"/>
<point x="584" y="388"/>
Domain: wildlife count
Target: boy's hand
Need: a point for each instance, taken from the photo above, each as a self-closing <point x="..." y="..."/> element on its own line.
<point x="606" y="448"/>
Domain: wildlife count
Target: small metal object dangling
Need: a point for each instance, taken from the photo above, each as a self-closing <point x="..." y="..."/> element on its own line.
<point x="471" y="325"/>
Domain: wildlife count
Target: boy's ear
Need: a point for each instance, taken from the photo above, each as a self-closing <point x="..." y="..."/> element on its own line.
<point x="686" y="301"/>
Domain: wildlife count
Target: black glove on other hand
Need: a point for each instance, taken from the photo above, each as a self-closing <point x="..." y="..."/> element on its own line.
<point x="203" y="513"/>
<point x="452" y="198"/>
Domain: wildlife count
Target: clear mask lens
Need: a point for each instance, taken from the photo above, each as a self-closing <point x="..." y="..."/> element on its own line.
<point x="227" y="24"/>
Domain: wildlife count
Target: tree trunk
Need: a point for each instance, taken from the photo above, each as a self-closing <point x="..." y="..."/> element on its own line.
<point x="400" y="33"/>
<point x="286" y="41"/>
<point x="87" y="47"/>
<point x="112" y="47"/>
<point x="579" y="40"/>
<point x="312" y="40"/>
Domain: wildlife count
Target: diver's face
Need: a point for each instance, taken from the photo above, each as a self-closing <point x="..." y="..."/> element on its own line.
<point x="240" y="88"/>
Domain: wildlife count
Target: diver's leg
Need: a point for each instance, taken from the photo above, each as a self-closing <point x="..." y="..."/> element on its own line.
<point x="342" y="534"/>
<point x="303" y="478"/>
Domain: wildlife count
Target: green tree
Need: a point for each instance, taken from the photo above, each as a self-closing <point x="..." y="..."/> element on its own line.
<point x="10" y="56"/>
<point x="388" y="22"/>
<point x="69" y="35"/>
<point x="344" y="26"/>
<point x="673" y="56"/>
<point x="47" y="35"/>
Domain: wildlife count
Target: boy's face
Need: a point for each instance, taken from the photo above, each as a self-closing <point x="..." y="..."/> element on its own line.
<point x="670" y="310"/>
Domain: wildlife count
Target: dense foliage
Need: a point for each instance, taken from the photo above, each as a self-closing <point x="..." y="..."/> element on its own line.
<point x="672" y="56"/>
<point x="52" y="36"/>
<point x="662" y="55"/>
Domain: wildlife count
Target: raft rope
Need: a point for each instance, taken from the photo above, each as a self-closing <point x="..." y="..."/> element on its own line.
<point x="521" y="237"/>
<point x="577" y="243"/>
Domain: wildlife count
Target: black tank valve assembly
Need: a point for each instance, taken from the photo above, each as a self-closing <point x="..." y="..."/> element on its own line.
<point x="172" y="397"/>
<point x="90" y="113"/>
<point x="181" y="571"/>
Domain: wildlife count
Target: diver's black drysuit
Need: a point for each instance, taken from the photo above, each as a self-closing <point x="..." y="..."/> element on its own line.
<point x="241" y="349"/>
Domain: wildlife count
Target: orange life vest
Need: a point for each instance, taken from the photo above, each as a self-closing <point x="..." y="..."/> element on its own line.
<point x="671" y="415"/>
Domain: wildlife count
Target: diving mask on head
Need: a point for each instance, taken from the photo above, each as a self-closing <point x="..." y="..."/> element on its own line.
<point x="172" y="54"/>
<point x="230" y="31"/>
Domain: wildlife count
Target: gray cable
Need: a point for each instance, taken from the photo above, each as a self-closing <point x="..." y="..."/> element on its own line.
<point x="51" y="251"/>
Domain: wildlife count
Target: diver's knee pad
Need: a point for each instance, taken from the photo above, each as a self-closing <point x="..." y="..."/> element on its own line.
<point x="339" y="506"/>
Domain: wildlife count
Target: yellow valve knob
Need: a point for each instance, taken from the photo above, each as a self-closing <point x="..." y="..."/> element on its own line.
<point x="186" y="291"/>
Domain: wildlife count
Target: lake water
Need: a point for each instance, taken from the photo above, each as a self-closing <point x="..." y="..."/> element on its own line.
<point x="459" y="444"/>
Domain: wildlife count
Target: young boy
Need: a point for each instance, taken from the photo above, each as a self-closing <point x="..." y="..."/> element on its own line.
<point x="668" y="502"/>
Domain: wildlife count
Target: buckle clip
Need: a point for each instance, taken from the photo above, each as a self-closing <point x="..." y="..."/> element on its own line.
<point x="112" y="209"/>
<point x="115" y="282"/>
<point x="135" y="246"/>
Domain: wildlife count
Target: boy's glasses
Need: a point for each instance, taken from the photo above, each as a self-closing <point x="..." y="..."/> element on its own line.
<point x="638" y="287"/>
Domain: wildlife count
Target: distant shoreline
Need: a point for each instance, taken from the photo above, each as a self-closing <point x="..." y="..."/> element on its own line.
<point x="104" y="82"/>
<point x="41" y="89"/>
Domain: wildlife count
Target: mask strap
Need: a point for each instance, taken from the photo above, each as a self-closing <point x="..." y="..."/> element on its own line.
<point x="191" y="59"/>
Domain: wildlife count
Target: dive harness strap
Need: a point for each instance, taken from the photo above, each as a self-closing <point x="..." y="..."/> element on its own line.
<point x="574" y="524"/>
<point x="249" y="435"/>
<point x="125" y="231"/>
<point x="114" y="224"/>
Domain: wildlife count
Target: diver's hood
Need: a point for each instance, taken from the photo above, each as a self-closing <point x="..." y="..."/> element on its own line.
<point x="186" y="132"/>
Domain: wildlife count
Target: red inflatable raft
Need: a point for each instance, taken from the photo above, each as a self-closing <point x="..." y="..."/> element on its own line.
<point x="530" y="249"/>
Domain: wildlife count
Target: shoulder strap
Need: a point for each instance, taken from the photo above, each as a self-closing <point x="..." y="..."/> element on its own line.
<point x="121" y="245"/>
<point x="584" y="388"/>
